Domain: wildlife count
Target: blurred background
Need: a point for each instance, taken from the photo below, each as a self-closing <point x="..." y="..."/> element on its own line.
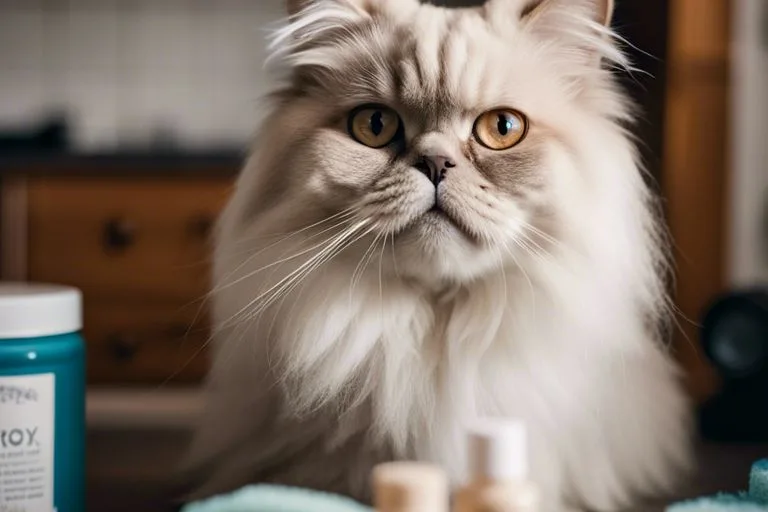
<point x="123" y="124"/>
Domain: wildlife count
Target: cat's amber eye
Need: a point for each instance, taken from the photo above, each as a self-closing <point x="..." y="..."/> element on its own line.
<point x="501" y="128"/>
<point x="375" y="126"/>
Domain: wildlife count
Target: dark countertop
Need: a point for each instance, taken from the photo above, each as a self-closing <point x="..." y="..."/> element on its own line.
<point x="225" y="162"/>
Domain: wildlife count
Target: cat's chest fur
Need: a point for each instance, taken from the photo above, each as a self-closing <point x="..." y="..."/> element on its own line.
<point x="422" y="364"/>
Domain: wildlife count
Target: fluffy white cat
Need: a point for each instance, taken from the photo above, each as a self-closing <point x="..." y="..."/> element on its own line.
<point x="443" y="218"/>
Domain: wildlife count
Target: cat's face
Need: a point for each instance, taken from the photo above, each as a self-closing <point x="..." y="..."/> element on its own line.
<point x="449" y="133"/>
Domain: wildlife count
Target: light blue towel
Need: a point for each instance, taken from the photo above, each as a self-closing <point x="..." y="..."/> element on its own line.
<point x="276" y="498"/>
<point x="719" y="503"/>
<point x="756" y="500"/>
<point x="758" y="481"/>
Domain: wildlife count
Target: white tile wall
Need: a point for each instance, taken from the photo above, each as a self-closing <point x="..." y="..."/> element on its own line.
<point x="748" y="248"/>
<point x="125" y="69"/>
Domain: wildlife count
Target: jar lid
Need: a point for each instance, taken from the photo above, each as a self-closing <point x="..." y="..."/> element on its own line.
<point x="29" y="310"/>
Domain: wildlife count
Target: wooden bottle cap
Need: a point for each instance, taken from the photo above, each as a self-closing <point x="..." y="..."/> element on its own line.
<point x="409" y="487"/>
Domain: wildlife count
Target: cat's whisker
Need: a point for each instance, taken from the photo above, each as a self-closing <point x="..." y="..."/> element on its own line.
<point x="538" y="232"/>
<point x="521" y="268"/>
<point x="335" y="241"/>
<point x="381" y="257"/>
<point x="284" y="292"/>
<point x="533" y="249"/>
<point x="394" y="258"/>
<point x="503" y="274"/>
<point x="277" y="268"/>
<point x="357" y="274"/>
<point x="283" y="258"/>
<point x="288" y="284"/>
<point x="298" y="273"/>
<point x="362" y="265"/>
<point x="280" y="261"/>
<point x="345" y="214"/>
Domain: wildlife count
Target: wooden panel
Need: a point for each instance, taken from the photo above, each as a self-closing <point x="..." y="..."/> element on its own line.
<point x="139" y="249"/>
<point x="695" y="168"/>
<point x="699" y="30"/>
<point x="145" y="341"/>
<point x="13" y="228"/>
<point x="123" y="238"/>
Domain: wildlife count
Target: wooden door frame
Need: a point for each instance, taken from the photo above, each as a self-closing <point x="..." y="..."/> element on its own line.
<point x="695" y="177"/>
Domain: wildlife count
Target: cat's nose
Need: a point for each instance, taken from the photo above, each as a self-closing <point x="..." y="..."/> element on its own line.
<point x="435" y="166"/>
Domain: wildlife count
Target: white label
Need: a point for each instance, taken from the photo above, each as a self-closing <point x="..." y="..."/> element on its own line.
<point x="26" y="443"/>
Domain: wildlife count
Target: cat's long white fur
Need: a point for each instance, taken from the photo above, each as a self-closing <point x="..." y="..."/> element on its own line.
<point x="333" y="360"/>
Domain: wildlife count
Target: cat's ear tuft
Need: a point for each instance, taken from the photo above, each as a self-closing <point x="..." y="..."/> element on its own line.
<point x="363" y="6"/>
<point x="579" y="28"/>
<point x="600" y="11"/>
<point x="295" y="6"/>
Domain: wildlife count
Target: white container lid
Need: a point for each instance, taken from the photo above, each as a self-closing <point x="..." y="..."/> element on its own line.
<point x="498" y="450"/>
<point x="30" y="310"/>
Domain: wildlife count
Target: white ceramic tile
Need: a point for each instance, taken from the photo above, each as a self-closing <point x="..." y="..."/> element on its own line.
<point x="92" y="42"/>
<point x="93" y="114"/>
<point x="22" y="104"/>
<point x="166" y="34"/>
<point x="56" y="36"/>
<point x="126" y="66"/>
<point x="21" y="38"/>
<point x="128" y="36"/>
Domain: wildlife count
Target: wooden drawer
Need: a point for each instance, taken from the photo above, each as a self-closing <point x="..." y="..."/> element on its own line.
<point x="121" y="238"/>
<point x="147" y="342"/>
<point x="139" y="249"/>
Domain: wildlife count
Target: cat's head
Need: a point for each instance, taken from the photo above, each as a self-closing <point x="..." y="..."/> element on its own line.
<point x="457" y="136"/>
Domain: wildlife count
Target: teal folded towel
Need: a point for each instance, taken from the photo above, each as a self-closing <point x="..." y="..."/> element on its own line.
<point x="756" y="500"/>
<point x="276" y="498"/>
<point x="758" y="481"/>
<point x="719" y="503"/>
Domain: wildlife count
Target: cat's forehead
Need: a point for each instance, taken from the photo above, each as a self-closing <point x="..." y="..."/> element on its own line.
<point x="437" y="64"/>
<point x="433" y="68"/>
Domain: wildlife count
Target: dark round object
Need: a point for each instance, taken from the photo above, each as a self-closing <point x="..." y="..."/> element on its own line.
<point x="118" y="234"/>
<point x="202" y="226"/>
<point x="735" y="335"/>
<point x="123" y="347"/>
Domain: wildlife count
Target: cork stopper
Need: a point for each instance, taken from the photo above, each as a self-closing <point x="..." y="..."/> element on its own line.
<point x="409" y="487"/>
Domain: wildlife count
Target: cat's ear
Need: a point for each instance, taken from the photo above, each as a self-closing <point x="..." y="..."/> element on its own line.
<point x="580" y="27"/>
<point x="296" y="6"/>
<point x="314" y="29"/>
<point x="600" y="11"/>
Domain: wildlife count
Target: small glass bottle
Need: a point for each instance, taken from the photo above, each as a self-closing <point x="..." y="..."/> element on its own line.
<point x="498" y="469"/>
<point x="409" y="487"/>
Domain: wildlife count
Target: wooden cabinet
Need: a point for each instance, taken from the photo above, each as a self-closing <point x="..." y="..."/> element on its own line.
<point x="145" y="340"/>
<point x="123" y="238"/>
<point x="139" y="248"/>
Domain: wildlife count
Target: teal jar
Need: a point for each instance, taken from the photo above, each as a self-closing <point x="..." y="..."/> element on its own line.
<point x="42" y="399"/>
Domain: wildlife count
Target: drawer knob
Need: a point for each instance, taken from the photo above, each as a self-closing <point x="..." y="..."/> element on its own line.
<point x="202" y="226"/>
<point x="123" y="347"/>
<point x="119" y="234"/>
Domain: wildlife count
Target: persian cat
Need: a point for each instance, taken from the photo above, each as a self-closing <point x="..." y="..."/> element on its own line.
<point x="443" y="217"/>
